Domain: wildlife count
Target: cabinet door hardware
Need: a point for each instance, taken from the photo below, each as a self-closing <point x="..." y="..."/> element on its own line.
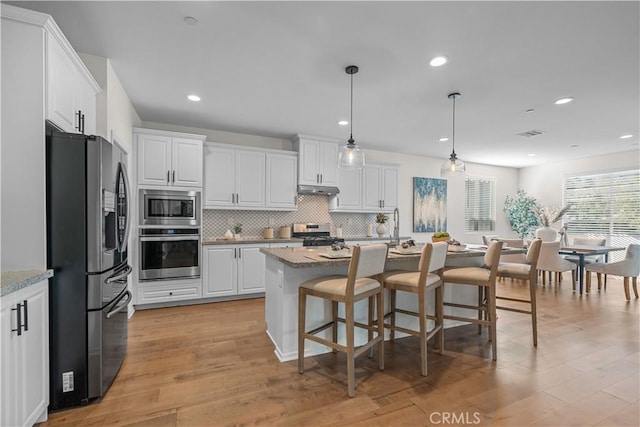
<point x="78" y="127"/>
<point x="173" y="177"/>
<point x="168" y="176"/>
<point x="321" y="178"/>
<point x="82" y="124"/>
<point x="26" y="316"/>
<point x="18" y="310"/>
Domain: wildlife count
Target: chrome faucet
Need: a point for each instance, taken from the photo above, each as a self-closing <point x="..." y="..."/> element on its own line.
<point x="396" y="226"/>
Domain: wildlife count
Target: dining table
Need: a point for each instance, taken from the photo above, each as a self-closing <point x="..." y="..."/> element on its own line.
<point x="584" y="251"/>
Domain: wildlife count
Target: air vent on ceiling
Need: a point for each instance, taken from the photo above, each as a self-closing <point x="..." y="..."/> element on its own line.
<point x="530" y="133"/>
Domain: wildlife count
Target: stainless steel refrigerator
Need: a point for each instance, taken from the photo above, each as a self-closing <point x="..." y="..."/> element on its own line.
<point x="87" y="232"/>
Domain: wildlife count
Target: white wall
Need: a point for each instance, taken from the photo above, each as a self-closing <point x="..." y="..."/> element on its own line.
<point x="22" y="145"/>
<point x="429" y="167"/>
<point x="545" y="182"/>
<point x="115" y="114"/>
<point x="226" y="137"/>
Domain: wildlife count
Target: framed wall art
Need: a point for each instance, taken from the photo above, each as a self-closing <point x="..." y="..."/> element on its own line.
<point x="429" y="205"/>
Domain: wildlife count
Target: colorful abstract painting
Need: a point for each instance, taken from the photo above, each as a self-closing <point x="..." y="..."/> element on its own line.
<point x="429" y="205"/>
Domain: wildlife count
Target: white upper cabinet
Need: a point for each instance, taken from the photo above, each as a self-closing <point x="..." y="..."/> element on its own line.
<point x="282" y="178"/>
<point x="372" y="189"/>
<point x="242" y="178"/>
<point x="70" y="90"/>
<point x="169" y="159"/>
<point x="351" y="191"/>
<point x="380" y="187"/>
<point x="317" y="161"/>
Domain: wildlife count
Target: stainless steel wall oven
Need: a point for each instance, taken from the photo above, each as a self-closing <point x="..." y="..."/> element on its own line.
<point x="169" y="253"/>
<point x="170" y="208"/>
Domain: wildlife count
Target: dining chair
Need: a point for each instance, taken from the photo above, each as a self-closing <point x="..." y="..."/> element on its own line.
<point x="484" y="278"/>
<point x="513" y="258"/>
<point x="487" y="238"/>
<point x="597" y="259"/>
<point x="527" y="272"/>
<point x="363" y="281"/>
<point x="427" y="278"/>
<point x="628" y="267"/>
<point x="551" y="261"/>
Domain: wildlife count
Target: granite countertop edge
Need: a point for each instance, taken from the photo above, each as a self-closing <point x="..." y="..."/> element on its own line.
<point x="13" y="281"/>
<point x="248" y="241"/>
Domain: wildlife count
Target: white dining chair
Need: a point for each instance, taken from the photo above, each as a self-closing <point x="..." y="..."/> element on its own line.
<point x="629" y="267"/>
<point x="551" y="261"/>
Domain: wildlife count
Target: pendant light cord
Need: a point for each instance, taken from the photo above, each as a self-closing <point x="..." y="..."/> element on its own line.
<point x="453" y="133"/>
<point x="351" y="118"/>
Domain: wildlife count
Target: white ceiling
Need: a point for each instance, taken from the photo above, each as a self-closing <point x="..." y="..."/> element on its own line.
<point x="277" y="69"/>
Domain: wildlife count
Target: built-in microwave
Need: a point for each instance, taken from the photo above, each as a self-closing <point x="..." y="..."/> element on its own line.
<point x="172" y="208"/>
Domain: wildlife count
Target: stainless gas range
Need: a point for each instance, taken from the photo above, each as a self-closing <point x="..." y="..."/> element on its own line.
<point x="315" y="234"/>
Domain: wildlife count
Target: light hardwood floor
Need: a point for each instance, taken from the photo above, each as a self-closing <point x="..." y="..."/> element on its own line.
<point x="213" y="365"/>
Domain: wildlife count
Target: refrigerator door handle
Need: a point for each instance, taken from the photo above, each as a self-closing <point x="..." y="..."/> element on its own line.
<point x="127" y="192"/>
<point x="119" y="308"/>
<point x="127" y="270"/>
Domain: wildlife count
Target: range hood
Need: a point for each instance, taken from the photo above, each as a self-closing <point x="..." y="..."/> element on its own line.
<point x="318" y="190"/>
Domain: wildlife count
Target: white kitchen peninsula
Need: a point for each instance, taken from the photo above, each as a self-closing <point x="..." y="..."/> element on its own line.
<point x="287" y="268"/>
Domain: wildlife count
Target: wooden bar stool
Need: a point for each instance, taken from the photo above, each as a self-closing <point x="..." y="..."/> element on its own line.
<point x="527" y="272"/>
<point x="485" y="279"/>
<point x="428" y="277"/>
<point x="362" y="281"/>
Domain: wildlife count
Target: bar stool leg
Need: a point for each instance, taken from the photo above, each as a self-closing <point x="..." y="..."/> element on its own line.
<point x="334" y="328"/>
<point x="349" y="321"/>
<point x="440" y="319"/>
<point x="392" y="332"/>
<point x="423" y="333"/>
<point x="370" y="323"/>
<point x="380" y="306"/>
<point x="302" y="308"/>
<point x="534" y="315"/>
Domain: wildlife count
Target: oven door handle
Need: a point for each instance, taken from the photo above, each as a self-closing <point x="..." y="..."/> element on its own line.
<point x="120" y="307"/>
<point x="168" y="238"/>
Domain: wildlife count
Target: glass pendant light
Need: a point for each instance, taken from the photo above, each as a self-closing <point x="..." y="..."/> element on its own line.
<point x="350" y="155"/>
<point x="453" y="166"/>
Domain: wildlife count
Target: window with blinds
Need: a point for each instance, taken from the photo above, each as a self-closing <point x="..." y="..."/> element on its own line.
<point x="480" y="204"/>
<point x="605" y="205"/>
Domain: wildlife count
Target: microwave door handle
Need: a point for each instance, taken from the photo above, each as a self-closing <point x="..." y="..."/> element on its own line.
<point x="127" y="194"/>
<point x="167" y="238"/>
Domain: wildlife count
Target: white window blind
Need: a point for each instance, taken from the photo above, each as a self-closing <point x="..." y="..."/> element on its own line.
<point x="605" y="205"/>
<point x="480" y="204"/>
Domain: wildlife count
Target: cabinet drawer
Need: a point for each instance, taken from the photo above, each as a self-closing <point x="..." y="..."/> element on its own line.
<point x="153" y="294"/>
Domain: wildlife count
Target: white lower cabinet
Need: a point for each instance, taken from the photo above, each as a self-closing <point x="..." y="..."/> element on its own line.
<point x="24" y="358"/>
<point x="233" y="270"/>
<point x="168" y="291"/>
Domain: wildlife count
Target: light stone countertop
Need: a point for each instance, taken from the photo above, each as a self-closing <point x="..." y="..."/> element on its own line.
<point x="248" y="240"/>
<point x="12" y="281"/>
<point x="304" y="257"/>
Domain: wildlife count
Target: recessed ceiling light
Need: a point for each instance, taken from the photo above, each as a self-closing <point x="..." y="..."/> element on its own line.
<point x="194" y="98"/>
<point x="574" y="146"/>
<point x="343" y="122"/>
<point x="627" y="136"/>
<point x="530" y="110"/>
<point x="563" y="101"/>
<point x="531" y="154"/>
<point x="444" y="139"/>
<point x="438" y="61"/>
<point x="191" y="20"/>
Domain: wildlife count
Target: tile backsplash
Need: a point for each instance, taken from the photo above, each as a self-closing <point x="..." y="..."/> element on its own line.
<point x="311" y="208"/>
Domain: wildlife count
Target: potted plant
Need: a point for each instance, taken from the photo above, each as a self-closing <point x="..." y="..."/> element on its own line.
<point x="546" y="216"/>
<point x="381" y="220"/>
<point x="237" y="229"/>
<point x="440" y="236"/>
<point x="520" y="214"/>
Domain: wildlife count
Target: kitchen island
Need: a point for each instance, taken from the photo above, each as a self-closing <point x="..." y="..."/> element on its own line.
<point x="287" y="268"/>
